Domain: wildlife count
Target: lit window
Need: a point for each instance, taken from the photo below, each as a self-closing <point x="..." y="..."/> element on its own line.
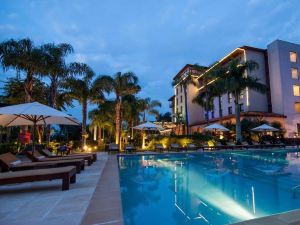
<point x="297" y="107"/>
<point x="293" y="56"/>
<point x="241" y="95"/>
<point x="229" y="110"/>
<point x="229" y="97"/>
<point x="296" y="90"/>
<point x="295" y="74"/>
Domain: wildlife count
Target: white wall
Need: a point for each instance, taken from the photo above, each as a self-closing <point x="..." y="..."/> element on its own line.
<point x="281" y="83"/>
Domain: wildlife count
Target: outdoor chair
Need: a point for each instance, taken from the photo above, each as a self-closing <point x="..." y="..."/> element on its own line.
<point x="175" y="146"/>
<point x="67" y="174"/>
<point x="113" y="147"/>
<point x="129" y="148"/>
<point x="36" y="156"/>
<point x="192" y="146"/>
<point x="49" y="154"/>
<point x="159" y="147"/>
<point x="10" y="162"/>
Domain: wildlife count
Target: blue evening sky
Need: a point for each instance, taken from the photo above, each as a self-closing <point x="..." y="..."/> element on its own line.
<point x="153" y="38"/>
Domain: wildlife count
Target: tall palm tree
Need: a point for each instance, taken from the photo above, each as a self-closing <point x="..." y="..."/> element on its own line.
<point x="121" y="84"/>
<point x="55" y="67"/>
<point x="24" y="56"/>
<point x="83" y="90"/>
<point x="149" y="107"/>
<point x="205" y="99"/>
<point x="234" y="79"/>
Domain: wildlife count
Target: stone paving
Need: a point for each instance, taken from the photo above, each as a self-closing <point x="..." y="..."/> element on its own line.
<point x="43" y="203"/>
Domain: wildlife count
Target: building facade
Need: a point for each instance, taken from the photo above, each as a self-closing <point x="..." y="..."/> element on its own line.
<point x="278" y="70"/>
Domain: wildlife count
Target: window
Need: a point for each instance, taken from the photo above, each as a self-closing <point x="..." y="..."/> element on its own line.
<point x="293" y="56"/>
<point x="229" y="110"/>
<point x="213" y="114"/>
<point x="296" y="90"/>
<point x="181" y="109"/>
<point x="176" y="90"/>
<point x="176" y="101"/>
<point x="180" y="88"/>
<point x="295" y="74"/>
<point x="242" y="95"/>
<point x="181" y="98"/>
<point x="229" y="97"/>
<point x="241" y="107"/>
<point x="297" y="107"/>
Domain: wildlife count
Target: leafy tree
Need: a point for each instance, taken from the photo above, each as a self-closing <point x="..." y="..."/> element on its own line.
<point x="149" y="107"/>
<point x="55" y="67"/>
<point x="22" y="55"/>
<point x="233" y="77"/>
<point x="121" y="84"/>
<point x="83" y="90"/>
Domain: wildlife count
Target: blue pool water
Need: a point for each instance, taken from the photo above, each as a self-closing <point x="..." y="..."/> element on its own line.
<point x="208" y="188"/>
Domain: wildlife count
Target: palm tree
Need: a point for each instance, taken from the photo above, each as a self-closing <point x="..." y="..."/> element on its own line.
<point x="149" y="106"/>
<point x="234" y="79"/>
<point x="22" y="55"/>
<point x="121" y="84"/>
<point x="132" y="109"/>
<point x="55" y="67"/>
<point x="205" y="99"/>
<point x="101" y="119"/>
<point x="83" y="90"/>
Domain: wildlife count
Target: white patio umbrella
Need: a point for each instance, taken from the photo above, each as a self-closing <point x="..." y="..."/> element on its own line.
<point x="148" y="126"/>
<point x="264" y="128"/>
<point x="216" y="127"/>
<point x="33" y="114"/>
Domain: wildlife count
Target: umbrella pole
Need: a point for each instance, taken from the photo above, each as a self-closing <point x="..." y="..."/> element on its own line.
<point x="33" y="136"/>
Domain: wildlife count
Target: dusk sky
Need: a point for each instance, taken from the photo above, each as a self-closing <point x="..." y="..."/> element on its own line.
<point x="154" y="39"/>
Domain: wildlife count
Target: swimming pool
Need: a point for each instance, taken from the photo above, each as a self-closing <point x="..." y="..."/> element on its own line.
<point x="208" y="188"/>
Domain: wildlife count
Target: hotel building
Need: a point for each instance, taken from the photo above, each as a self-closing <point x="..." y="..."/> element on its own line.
<point x="278" y="70"/>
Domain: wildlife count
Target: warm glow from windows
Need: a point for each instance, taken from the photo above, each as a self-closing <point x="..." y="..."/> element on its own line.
<point x="295" y="74"/>
<point x="297" y="107"/>
<point x="293" y="56"/>
<point x="296" y="90"/>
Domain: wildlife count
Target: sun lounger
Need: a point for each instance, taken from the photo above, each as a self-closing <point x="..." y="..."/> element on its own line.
<point x="193" y="146"/>
<point x="67" y="174"/>
<point x="49" y="154"/>
<point x="129" y="148"/>
<point x="113" y="147"/>
<point x="9" y="162"/>
<point x="159" y="147"/>
<point x="175" y="146"/>
<point x="37" y="157"/>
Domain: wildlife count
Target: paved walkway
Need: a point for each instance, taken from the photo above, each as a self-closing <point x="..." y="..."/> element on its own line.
<point x="106" y="206"/>
<point x="43" y="203"/>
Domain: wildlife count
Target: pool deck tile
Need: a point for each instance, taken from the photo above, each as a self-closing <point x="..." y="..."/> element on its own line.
<point x="105" y="206"/>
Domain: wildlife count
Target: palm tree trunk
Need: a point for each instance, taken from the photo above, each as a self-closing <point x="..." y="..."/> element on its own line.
<point x="186" y="111"/>
<point x="28" y="86"/>
<point x="83" y="129"/>
<point x="118" y="119"/>
<point x="238" y="129"/>
<point x="99" y="135"/>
